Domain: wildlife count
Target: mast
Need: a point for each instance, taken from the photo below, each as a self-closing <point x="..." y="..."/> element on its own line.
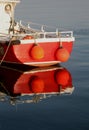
<point x="7" y="9"/>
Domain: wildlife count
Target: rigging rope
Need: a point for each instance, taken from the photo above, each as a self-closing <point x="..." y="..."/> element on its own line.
<point x="38" y="24"/>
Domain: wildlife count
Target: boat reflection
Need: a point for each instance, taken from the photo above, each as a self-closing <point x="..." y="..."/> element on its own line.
<point x="33" y="85"/>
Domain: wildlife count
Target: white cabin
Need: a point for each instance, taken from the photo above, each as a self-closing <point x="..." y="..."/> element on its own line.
<point x="7" y="16"/>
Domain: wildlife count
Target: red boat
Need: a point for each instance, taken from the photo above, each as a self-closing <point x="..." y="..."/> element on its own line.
<point x="35" y="83"/>
<point x="21" y="43"/>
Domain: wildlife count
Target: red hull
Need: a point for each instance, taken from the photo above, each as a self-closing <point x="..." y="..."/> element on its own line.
<point x="36" y="81"/>
<point x="21" y="53"/>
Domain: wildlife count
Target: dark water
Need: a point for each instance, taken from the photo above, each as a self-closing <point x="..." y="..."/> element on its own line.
<point x="62" y="111"/>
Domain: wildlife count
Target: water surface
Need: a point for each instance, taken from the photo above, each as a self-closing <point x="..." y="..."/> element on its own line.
<point x="63" y="111"/>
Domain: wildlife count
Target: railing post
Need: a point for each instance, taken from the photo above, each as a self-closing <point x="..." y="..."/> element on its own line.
<point x="57" y="33"/>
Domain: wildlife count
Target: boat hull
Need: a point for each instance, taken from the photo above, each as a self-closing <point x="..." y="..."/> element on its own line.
<point x="20" y="53"/>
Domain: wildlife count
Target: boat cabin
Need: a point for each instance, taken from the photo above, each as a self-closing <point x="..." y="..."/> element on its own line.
<point x="7" y="22"/>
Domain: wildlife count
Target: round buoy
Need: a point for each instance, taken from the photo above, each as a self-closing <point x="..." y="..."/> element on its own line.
<point x="37" y="85"/>
<point x="37" y="52"/>
<point x="62" y="55"/>
<point x="62" y="77"/>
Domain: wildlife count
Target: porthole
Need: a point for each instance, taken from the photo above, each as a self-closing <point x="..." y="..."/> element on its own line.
<point x="8" y="8"/>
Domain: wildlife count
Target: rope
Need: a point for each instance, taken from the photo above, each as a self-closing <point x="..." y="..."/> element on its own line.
<point x="5" y="52"/>
<point x="4" y="88"/>
<point x="38" y="24"/>
<point x="44" y="25"/>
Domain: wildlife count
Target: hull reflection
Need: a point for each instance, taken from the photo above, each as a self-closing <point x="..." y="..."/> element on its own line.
<point x="33" y="85"/>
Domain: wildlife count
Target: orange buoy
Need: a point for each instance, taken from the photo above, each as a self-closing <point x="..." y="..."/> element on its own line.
<point x="28" y="37"/>
<point x="37" y="85"/>
<point x="37" y="52"/>
<point x="62" y="55"/>
<point x="62" y="77"/>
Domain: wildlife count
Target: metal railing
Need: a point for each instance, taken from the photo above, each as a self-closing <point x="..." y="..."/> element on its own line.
<point x="36" y="33"/>
<point x="42" y="33"/>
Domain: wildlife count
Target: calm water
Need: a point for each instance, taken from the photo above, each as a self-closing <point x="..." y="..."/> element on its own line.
<point x="65" y="111"/>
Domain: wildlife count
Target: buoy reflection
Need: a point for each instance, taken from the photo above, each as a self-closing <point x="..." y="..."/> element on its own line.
<point x="34" y="85"/>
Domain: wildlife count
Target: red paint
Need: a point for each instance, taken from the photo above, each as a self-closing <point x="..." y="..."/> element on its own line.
<point x="22" y="53"/>
<point x="46" y="80"/>
<point x="62" y="77"/>
<point x="37" y="52"/>
<point x="37" y="84"/>
<point x="62" y="55"/>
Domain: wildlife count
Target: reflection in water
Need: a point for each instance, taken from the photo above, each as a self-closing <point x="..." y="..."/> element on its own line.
<point x="33" y="85"/>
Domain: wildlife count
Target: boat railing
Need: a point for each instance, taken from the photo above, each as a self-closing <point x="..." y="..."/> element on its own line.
<point x="43" y="31"/>
<point x="58" y="34"/>
<point x="32" y="98"/>
<point x="36" y="35"/>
